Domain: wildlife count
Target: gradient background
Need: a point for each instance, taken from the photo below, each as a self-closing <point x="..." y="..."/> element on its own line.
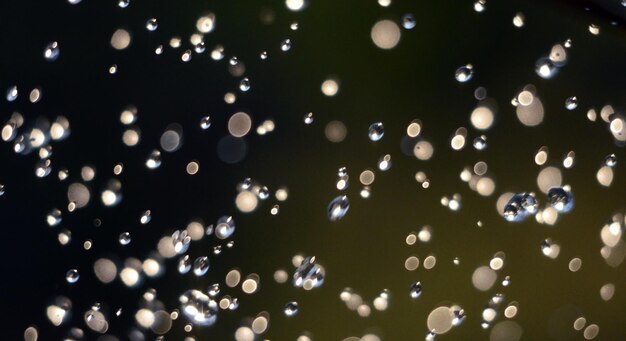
<point x="365" y="250"/>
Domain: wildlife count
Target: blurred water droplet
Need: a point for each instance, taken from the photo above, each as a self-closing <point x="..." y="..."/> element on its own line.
<point x="12" y="93"/>
<point x="338" y="208"/>
<point x="571" y="103"/>
<point x="562" y="200"/>
<point x="123" y="3"/>
<point x="376" y="131"/>
<point x="520" y="206"/>
<point x="54" y="217"/>
<point x="291" y="308"/>
<point x="205" y="122"/>
<point x="244" y="85"/>
<point x="308" y="274"/>
<point x="545" y="68"/>
<point x="201" y="266"/>
<point x="225" y="227"/>
<point x="263" y="55"/>
<point x="198" y="308"/>
<point x="464" y="73"/>
<point x="124" y="238"/>
<point x="610" y="160"/>
<point x="152" y="24"/>
<point x="480" y="142"/>
<point x="184" y="264"/>
<point x="154" y="159"/>
<point x="52" y="51"/>
<point x="285" y="45"/>
<point x="408" y="21"/>
<point x="415" y="290"/>
<point x="72" y="276"/>
<point x="308" y="118"/>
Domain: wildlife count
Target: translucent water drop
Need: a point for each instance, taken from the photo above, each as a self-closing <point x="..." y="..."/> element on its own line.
<point x="294" y="26"/>
<point x="2" y="190"/>
<point x="480" y="142"/>
<point x="54" y="217"/>
<point x="610" y="160"/>
<point x="384" y="163"/>
<point x="545" y="68"/>
<point x="154" y="159"/>
<point x="571" y="103"/>
<point x="263" y="55"/>
<point x="51" y="52"/>
<point x="200" y="47"/>
<point x="123" y="3"/>
<point x="205" y="122"/>
<point x="12" y="93"/>
<point x="376" y="131"/>
<point x="285" y="45"/>
<point x="520" y="207"/>
<point x="430" y="336"/>
<point x="225" y="227"/>
<point x="214" y="290"/>
<point x="152" y="24"/>
<point x="568" y="43"/>
<point x="186" y="56"/>
<point x="308" y="118"/>
<point x="480" y="5"/>
<point x="263" y="193"/>
<point x="291" y="308"/>
<point x="145" y="217"/>
<point x="459" y="315"/>
<point x="124" y="238"/>
<point x="244" y="85"/>
<point x="562" y="200"/>
<point x="415" y="290"/>
<point x="158" y="50"/>
<point x="338" y="208"/>
<point x="184" y="264"/>
<point x="217" y="249"/>
<point x="181" y="241"/>
<point x="408" y="21"/>
<point x="72" y="276"/>
<point x="464" y="73"/>
<point x="74" y="2"/>
<point x="201" y="266"/>
<point x="198" y="308"/>
<point x="43" y="168"/>
<point x="308" y="275"/>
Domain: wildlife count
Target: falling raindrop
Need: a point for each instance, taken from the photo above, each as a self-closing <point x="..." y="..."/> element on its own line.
<point x="201" y="266"/>
<point x="415" y="290"/>
<point x="72" y="276"/>
<point x="338" y="208"/>
<point x="308" y="274"/>
<point x="561" y="199"/>
<point x="610" y="160"/>
<point x="464" y="73"/>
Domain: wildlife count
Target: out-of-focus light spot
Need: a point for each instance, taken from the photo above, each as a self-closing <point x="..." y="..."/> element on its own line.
<point x="105" y="270"/>
<point x="335" y="131"/>
<point x="385" y="34"/>
<point x="246" y="201"/>
<point x="482" y="117"/>
<point x="605" y="176"/>
<point x="295" y="5"/>
<point x="484" y="278"/>
<point x="423" y="150"/>
<point x="206" y="24"/>
<point x="239" y="124"/>
<point x="549" y="177"/>
<point x="330" y="87"/>
<point x="120" y="39"/>
<point x="411" y="263"/>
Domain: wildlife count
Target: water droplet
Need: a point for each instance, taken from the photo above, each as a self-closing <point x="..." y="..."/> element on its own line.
<point x="408" y="21"/>
<point x="12" y="93"/>
<point x="214" y="290"/>
<point x="205" y="122"/>
<point x="545" y="68"/>
<point x="72" y="276"/>
<point x="244" y="85"/>
<point x="225" y="227"/>
<point x="152" y="24"/>
<point x="201" y="266"/>
<point x="610" y="160"/>
<point x="520" y="207"/>
<point x="415" y="290"/>
<point x="464" y="73"/>
<point x="561" y="199"/>
<point x="154" y="159"/>
<point x="200" y="47"/>
<point x="145" y="217"/>
<point x="123" y="3"/>
<point x="2" y="190"/>
<point x="338" y="208"/>
<point x="308" y="118"/>
<point x="184" y="264"/>
<point x="480" y="142"/>
<point x="376" y="131"/>
<point x="480" y="5"/>
<point x="285" y="45"/>
<point x="51" y="52"/>
<point x="54" y="217"/>
<point x="308" y="275"/>
<point x="124" y="238"/>
<point x="181" y="241"/>
<point x="263" y="55"/>
<point x="384" y="163"/>
<point x="198" y="308"/>
<point x="291" y="308"/>
<point x="571" y="103"/>
<point x="518" y="20"/>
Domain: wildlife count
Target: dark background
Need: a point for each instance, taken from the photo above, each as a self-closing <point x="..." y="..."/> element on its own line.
<point x="366" y="249"/>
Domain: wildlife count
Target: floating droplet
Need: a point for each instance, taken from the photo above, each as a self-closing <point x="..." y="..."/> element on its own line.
<point x="520" y="207"/>
<point x="152" y="24"/>
<point x="464" y="73"/>
<point x="291" y="309"/>
<point x="72" y="276"/>
<point x="198" y="308"/>
<point x="571" y="103"/>
<point x="244" y="85"/>
<point x="201" y="266"/>
<point x="205" y="122"/>
<point x="338" y="208"/>
<point x="154" y="159"/>
<point x="285" y="45"/>
<point x="308" y="275"/>
<point x="480" y="142"/>
<point x="545" y="68"/>
<point x="51" y="52"/>
<point x="376" y="131"/>
<point x="308" y="118"/>
<point x="408" y="21"/>
<point x="124" y="238"/>
<point x="562" y="200"/>
<point x="415" y="290"/>
<point x="610" y="160"/>
<point x="225" y="227"/>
